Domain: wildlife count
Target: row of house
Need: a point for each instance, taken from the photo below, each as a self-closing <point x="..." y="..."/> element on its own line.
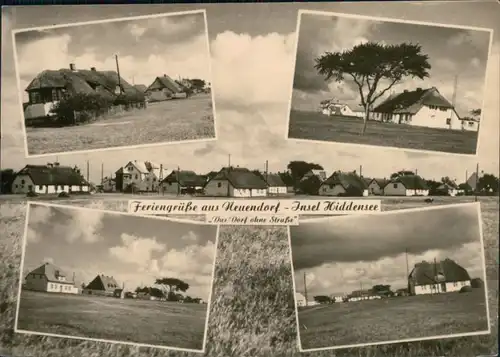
<point x="420" y="107"/>
<point x="425" y="278"/>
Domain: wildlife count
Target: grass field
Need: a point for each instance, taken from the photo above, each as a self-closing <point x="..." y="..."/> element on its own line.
<point x="163" y="122"/>
<point x="148" y="322"/>
<point x="252" y="312"/>
<point x="317" y="126"/>
<point x="344" y="324"/>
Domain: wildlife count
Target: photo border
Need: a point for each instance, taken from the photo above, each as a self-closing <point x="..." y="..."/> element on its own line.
<point x="94" y="22"/>
<point x="76" y="208"/>
<point x="396" y="211"/>
<point x="391" y="20"/>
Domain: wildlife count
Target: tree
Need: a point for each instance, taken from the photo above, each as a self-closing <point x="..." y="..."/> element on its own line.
<point x="7" y="177"/>
<point x="476" y="112"/>
<point x="384" y="290"/>
<point x="197" y="83"/>
<point x="322" y="299"/>
<point x="286" y="178"/>
<point x="258" y="173"/>
<point x="88" y="105"/>
<point x="371" y="64"/>
<point x="433" y="186"/>
<point x="401" y="173"/>
<point x="447" y="180"/>
<point x="488" y="183"/>
<point x="299" y="168"/>
<point x="173" y="284"/>
<point x="211" y="175"/>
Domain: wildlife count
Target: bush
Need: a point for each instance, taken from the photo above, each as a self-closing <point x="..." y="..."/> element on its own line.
<point x="31" y="194"/>
<point x="86" y="106"/>
<point x="63" y="194"/>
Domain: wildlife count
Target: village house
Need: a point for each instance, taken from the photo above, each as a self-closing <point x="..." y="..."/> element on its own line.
<point x="163" y="88"/>
<point x="101" y="285"/>
<point x="376" y="185"/>
<point x="141" y="88"/>
<point x="330" y="107"/>
<point x="421" y="107"/>
<point x="361" y="295"/>
<point x="108" y="184"/>
<point x="49" y="278"/>
<point x="407" y="185"/>
<point x="311" y="182"/>
<point x="236" y="182"/>
<point x="50" y="86"/>
<point x="181" y="182"/>
<point x="449" y="189"/>
<point x="344" y="184"/>
<point x="49" y="179"/>
<point x="276" y="186"/>
<point x="140" y="176"/>
<point x="470" y="124"/>
<point x="437" y="277"/>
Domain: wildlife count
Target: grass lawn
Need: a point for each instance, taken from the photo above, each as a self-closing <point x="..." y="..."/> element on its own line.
<point x="343" y="324"/>
<point x="317" y="126"/>
<point x="252" y="313"/>
<point x="148" y="322"/>
<point x="162" y="122"/>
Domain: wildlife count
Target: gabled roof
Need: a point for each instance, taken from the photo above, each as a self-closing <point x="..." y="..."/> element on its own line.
<point x="167" y="82"/>
<point x="241" y="178"/>
<point x="140" y="87"/>
<point x="53" y="175"/>
<point x="411" y="182"/>
<point x="320" y="174"/>
<point x="447" y="270"/>
<point x="381" y="182"/>
<point x="185" y="178"/>
<point x="410" y="102"/>
<point x="447" y="186"/>
<point x="274" y="180"/>
<point x="104" y="283"/>
<point x="141" y="166"/>
<point x="84" y="81"/>
<point x="348" y="180"/>
<point x="51" y="273"/>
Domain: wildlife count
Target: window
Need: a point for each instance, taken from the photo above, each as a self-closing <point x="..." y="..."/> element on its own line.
<point x="471" y="123"/>
<point x="219" y="184"/>
<point x="35" y="98"/>
<point x="154" y="179"/>
<point x="40" y="187"/>
<point x="331" y="187"/>
<point x="56" y="95"/>
<point x="395" y="185"/>
<point x="455" y="284"/>
<point x="448" y="121"/>
<point x="136" y="176"/>
<point x="23" y="182"/>
<point x="17" y="185"/>
<point x="130" y="168"/>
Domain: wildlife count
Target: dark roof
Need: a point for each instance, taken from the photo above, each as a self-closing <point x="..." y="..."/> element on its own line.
<point x="447" y="186"/>
<point x="382" y="182"/>
<point x="240" y="177"/>
<point x="411" y="101"/>
<point x="320" y="174"/>
<point x="185" y="178"/>
<point x="141" y="87"/>
<point x="84" y="81"/>
<point x="168" y="83"/>
<point x="411" y="182"/>
<point x="359" y="293"/>
<point x="53" y="175"/>
<point x="274" y="180"/>
<point x="447" y="270"/>
<point x="348" y="180"/>
<point x="51" y="272"/>
<point x="103" y="282"/>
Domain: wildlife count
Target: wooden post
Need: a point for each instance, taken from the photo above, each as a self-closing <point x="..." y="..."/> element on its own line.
<point x="88" y="172"/>
<point x="178" y="183"/>
<point x="102" y="173"/>
<point x="477" y="182"/>
<point x="305" y="289"/>
<point x="118" y="71"/>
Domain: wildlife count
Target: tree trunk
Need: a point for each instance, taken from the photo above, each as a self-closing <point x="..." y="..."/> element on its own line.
<point x="365" y="121"/>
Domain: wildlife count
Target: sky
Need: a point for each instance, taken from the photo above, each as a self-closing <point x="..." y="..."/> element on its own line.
<point x="173" y="45"/>
<point x="134" y="250"/>
<point x="343" y="254"/>
<point x="252" y="75"/>
<point x="452" y="52"/>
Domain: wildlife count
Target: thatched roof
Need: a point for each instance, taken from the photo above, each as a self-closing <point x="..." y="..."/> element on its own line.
<point x="53" y="175"/>
<point x="185" y="178"/>
<point x="140" y="87"/>
<point x="410" y="102"/>
<point x="86" y="81"/>
<point x="166" y="82"/>
<point x="104" y="283"/>
<point x="411" y="182"/>
<point x="242" y="178"/>
<point x="51" y="273"/>
<point x="274" y="180"/>
<point x="447" y="270"/>
<point x="350" y="181"/>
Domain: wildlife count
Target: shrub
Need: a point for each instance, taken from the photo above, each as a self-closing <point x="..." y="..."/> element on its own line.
<point x="86" y="106"/>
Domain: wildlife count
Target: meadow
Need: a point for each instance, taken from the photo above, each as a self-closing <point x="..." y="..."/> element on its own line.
<point x="317" y="126"/>
<point x="252" y="312"/>
<point x="373" y="321"/>
<point x="161" y="122"/>
<point x="156" y="323"/>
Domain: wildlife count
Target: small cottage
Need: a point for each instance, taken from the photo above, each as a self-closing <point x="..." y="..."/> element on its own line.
<point x="236" y="182"/>
<point x="407" y="185"/>
<point x="49" y="179"/>
<point x="449" y="189"/>
<point x="376" y="185"/>
<point x="108" y="184"/>
<point x="437" y="277"/>
<point x="276" y="186"/>
<point x="361" y="295"/>
<point x="162" y="88"/>
<point x="346" y="184"/>
<point x="182" y="182"/>
<point x="338" y="109"/>
<point x="101" y="285"/>
<point x="421" y="107"/>
<point x="49" y="278"/>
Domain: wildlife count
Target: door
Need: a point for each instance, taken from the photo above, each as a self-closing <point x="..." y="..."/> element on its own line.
<point x="443" y="287"/>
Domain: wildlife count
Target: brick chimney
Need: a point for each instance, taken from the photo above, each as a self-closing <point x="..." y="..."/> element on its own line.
<point x="72" y="67"/>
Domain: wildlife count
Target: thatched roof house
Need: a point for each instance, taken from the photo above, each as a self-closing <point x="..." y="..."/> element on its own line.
<point x="101" y="285"/>
<point x="344" y="184"/>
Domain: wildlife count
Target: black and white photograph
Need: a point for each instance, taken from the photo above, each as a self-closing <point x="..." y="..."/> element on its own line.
<point x="388" y="82"/>
<point x="115" y="83"/>
<point x="390" y="277"/>
<point x="113" y="277"/>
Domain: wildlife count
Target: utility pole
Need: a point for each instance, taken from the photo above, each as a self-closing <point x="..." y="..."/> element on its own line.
<point x="118" y="71"/>
<point x="102" y="173"/>
<point x="160" y="178"/>
<point x="407" y="265"/>
<point x="178" y="183"/>
<point x="229" y="161"/>
<point x="305" y="288"/>
<point x="360" y="170"/>
<point x="267" y="169"/>
<point x="88" y="171"/>
<point x="477" y="182"/>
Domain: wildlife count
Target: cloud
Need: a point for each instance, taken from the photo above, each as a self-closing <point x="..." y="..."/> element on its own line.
<point x="371" y="237"/>
<point x="48" y="260"/>
<point x="38" y="215"/>
<point x="190" y="237"/>
<point x="190" y="261"/>
<point x="136" y="250"/>
<point x="83" y="225"/>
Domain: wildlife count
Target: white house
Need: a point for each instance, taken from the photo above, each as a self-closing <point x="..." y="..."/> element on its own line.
<point x="109" y="184"/>
<point x="143" y="176"/>
<point x="331" y="108"/>
<point x="49" y="278"/>
<point x="406" y="185"/>
<point x="470" y="124"/>
<point x="236" y="182"/>
<point x="376" y="186"/>
<point x="276" y="186"/>
<point x="49" y="179"/>
<point x="449" y="189"/>
<point x="421" y="107"/>
<point x="300" y="299"/>
<point x="437" y="277"/>
<point x="343" y="184"/>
